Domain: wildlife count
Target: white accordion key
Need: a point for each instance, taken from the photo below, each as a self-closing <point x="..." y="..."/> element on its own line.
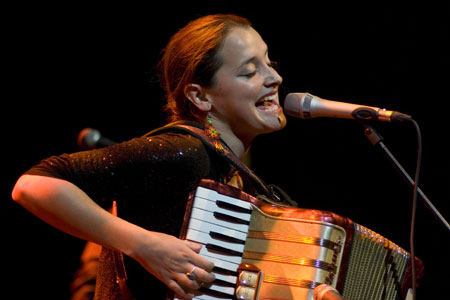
<point x="205" y="238"/>
<point x="204" y="251"/>
<point x="205" y="227"/>
<point x="213" y="196"/>
<point x="209" y="217"/>
<point x="212" y="206"/>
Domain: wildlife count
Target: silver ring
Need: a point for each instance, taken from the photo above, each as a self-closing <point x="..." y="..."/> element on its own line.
<point x="191" y="275"/>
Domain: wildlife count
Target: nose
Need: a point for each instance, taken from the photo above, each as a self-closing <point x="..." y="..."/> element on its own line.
<point x="272" y="78"/>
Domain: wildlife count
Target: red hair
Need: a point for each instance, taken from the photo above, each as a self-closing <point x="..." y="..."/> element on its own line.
<point x="191" y="56"/>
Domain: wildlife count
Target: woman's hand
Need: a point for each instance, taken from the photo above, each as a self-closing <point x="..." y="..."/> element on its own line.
<point x="171" y="259"/>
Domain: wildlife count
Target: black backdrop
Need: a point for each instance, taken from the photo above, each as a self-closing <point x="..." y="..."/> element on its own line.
<point x="70" y="66"/>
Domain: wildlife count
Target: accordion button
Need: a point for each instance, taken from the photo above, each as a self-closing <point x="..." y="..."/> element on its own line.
<point x="245" y="293"/>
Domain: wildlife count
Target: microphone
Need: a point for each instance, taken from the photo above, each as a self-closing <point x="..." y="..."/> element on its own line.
<point x="306" y="106"/>
<point x="326" y="292"/>
<point x="90" y="138"/>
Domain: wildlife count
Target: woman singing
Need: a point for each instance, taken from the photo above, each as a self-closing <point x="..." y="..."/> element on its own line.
<point x="219" y="80"/>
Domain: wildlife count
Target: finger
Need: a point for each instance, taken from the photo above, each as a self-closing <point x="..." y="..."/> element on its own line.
<point x="199" y="260"/>
<point x="203" y="275"/>
<point x="186" y="283"/>
<point x="203" y="263"/>
<point x="176" y="296"/>
<point x="194" y="246"/>
<point x="174" y="286"/>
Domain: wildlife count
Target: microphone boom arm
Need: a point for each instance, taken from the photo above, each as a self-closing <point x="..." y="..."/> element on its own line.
<point x="375" y="139"/>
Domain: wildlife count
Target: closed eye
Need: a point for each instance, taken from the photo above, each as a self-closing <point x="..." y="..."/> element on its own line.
<point x="271" y="64"/>
<point x="250" y="75"/>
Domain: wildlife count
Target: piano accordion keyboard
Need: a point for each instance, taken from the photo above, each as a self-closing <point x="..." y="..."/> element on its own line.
<point x="220" y="223"/>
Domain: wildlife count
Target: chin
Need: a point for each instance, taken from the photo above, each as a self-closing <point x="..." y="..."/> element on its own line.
<point x="274" y="123"/>
<point x="272" y="117"/>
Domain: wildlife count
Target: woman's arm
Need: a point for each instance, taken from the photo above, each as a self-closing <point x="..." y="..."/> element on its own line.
<point x="66" y="207"/>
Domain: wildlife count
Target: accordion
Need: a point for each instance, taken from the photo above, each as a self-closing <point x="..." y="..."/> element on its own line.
<point x="269" y="252"/>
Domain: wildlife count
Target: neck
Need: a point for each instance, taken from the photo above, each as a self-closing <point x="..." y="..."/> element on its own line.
<point x="238" y="144"/>
<point x="238" y="147"/>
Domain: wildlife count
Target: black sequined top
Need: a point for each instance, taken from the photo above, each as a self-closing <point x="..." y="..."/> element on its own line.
<point x="150" y="178"/>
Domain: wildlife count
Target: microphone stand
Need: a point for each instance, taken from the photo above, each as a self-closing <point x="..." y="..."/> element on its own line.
<point x="375" y="139"/>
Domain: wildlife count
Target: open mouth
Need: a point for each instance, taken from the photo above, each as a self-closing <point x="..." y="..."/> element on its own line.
<point x="268" y="104"/>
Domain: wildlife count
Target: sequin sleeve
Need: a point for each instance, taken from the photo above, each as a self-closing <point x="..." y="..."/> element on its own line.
<point x="138" y="170"/>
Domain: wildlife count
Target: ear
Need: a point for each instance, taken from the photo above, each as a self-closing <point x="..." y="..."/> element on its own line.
<point x="196" y="94"/>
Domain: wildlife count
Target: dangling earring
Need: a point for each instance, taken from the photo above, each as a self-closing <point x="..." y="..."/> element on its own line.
<point x="213" y="134"/>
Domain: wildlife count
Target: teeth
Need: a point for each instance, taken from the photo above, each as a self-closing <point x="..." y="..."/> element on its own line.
<point x="268" y="103"/>
<point x="269" y="98"/>
<point x="272" y="108"/>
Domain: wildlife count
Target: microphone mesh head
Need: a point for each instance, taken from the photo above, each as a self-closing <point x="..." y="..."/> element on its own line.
<point x="88" y="138"/>
<point x="293" y="104"/>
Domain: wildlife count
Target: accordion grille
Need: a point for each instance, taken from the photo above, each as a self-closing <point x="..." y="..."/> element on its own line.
<point x="375" y="268"/>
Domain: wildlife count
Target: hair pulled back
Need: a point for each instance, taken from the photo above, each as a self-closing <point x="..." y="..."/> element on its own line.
<point x="191" y="56"/>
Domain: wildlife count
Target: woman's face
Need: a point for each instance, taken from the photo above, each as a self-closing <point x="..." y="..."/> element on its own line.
<point x="244" y="95"/>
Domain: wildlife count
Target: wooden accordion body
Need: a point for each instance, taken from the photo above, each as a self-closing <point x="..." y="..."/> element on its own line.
<point x="268" y="252"/>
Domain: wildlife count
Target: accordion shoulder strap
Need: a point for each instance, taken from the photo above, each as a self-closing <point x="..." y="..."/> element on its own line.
<point x="195" y="130"/>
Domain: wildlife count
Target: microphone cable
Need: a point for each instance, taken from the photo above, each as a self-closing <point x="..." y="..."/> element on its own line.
<point x="414" y="208"/>
<point x="375" y="139"/>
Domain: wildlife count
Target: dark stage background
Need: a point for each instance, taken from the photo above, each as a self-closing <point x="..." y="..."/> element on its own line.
<point x="72" y="66"/>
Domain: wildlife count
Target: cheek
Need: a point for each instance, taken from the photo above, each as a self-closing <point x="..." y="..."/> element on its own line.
<point x="237" y="94"/>
<point x="244" y="91"/>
